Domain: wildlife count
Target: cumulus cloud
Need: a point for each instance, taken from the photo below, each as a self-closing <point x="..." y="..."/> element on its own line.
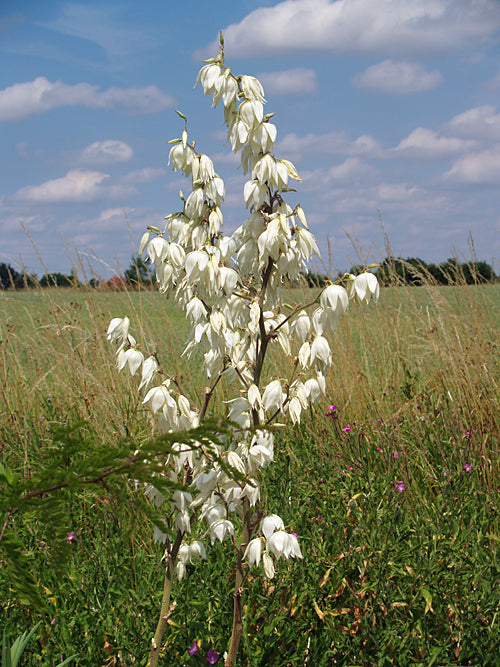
<point x="22" y="100"/>
<point x="109" y="151"/>
<point x="398" y="77"/>
<point x="426" y="144"/>
<point x="482" y="167"/>
<point x="480" y="123"/>
<point x="298" y="81"/>
<point x="77" y="186"/>
<point x="362" y="26"/>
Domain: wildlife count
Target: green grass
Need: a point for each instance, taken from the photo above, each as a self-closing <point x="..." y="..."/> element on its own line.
<point x="389" y="577"/>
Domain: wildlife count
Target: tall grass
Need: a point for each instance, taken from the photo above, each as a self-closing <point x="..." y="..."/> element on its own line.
<point x="393" y="492"/>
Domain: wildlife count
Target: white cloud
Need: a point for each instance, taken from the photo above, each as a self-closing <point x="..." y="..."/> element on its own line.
<point x="426" y="144"/>
<point x="145" y="175"/>
<point x="333" y="143"/>
<point x="298" y="81"/>
<point x="403" y="27"/>
<point x="398" y="77"/>
<point x="482" y="167"/>
<point x="327" y="182"/>
<point x="78" y="186"/>
<point x="477" y="123"/>
<point x="109" y="151"/>
<point x="22" y="100"/>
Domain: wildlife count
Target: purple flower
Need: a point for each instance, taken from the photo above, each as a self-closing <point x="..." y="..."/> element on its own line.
<point x="467" y="467"/>
<point x="400" y="487"/>
<point x="70" y="537"/>
<point x="194" y="648"/>
<point x="212" y="657"/>
<point x="347" y="428"/>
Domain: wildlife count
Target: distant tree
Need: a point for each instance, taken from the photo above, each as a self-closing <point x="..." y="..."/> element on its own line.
<point x="94" y="283"/>
<point x="138" y="273"/>
<point x="56" y="280"/>
<point x="8" y="276"/>
<point x="478" y="272"/>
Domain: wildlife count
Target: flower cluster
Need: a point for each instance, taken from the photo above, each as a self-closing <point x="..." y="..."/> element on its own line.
<point x="230" y="289"/>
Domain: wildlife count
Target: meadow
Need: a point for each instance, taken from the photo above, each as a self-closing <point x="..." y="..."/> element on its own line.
<point x="391" y="484"/>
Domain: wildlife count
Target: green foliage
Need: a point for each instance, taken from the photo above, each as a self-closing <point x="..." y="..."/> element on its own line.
<point x="58" y="280"/>
<point x="389" y="577"/>
<point x="414" y="271"/>
<point x="138" y="273"/>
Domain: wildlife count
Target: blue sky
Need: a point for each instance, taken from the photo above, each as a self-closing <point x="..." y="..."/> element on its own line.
<point x="389" y="106"/>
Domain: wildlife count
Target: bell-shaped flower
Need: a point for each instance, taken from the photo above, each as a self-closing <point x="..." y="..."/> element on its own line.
<point x="270" y="524"/>
<point x="181" y="158"/>
<point x="196" y="310"/>
<point x="320" y="354"/>
<point x="252" y="88"/>
<point x="227" y="280"/>
<point x="254" y="397"/>
<point x="252" y="492"/>
<point x="131" y="358"/>
<point x="364" y="288"/>
<point x="156" y="398"/>
<point x="219" y="530"/>
<point x="304" y="355"/>
<point x="283" y="544"/>
<point x="335" y="298"/>
<point x="149" y="368"/>
<point x="301" y="326"/>
<point x="255" y="193"/>
<point x="306" y="243"/>
<point x="118" y="330"/>
<point x="182" y="522"/>
<point x="208" y="75"/>
<point x="197" y="552"/>
<point x="206" y="482"/>
<point x="268" y="565"/>
<point x="194" y="204"/>
<point x="263" y="137"/>
<point x="295" y="409"/>
<point x="253" y="552"/>
<point x="273" y="396"/>
<point x="234" y="460"/>
<point x="214" y="190"/>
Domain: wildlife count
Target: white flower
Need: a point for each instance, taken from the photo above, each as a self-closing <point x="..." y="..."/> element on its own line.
<point x="364" y="288"/>
<point x="271" y="523"/>
<point x="320" y="353"/>
<point x="273" y="396"/>
<point x="219" y="530"/>
<point x="118" y="330"/>
<point x="253" y="552"/>
<point x="301" y="325"/>
<point x="156" y="397"/>
<point x="131" y="358"/>
<point x="268" y="564"/>
<point x="252" y="88"/>
<point x="194" y="204"/>
<point x="284" y="544"/>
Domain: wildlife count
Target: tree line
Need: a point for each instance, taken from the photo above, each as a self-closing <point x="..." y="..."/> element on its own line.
<point x="411" y="271"/>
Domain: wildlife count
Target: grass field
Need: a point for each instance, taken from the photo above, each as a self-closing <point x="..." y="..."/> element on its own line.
<point x="393" y="492"/>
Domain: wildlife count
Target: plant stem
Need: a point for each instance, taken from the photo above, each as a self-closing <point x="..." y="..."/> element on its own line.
<point x="165" y="603"/>
<point x="238" y="587"/>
